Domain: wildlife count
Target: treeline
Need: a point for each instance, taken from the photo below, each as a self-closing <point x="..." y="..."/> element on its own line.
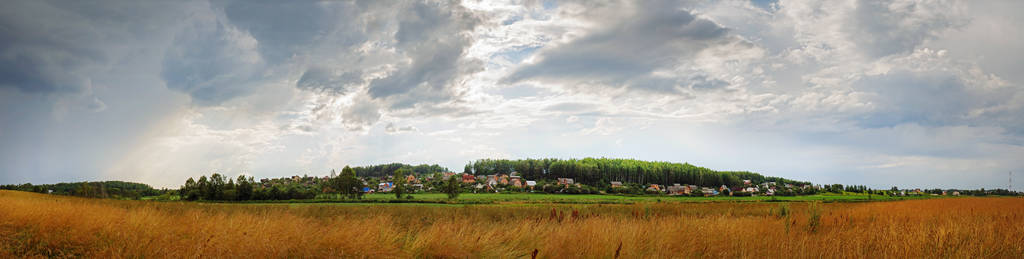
<point x="220" y="188"/>
<point x="385" y="170"/>
<point x="601" y="171"/>
<point x="105" y="189"/>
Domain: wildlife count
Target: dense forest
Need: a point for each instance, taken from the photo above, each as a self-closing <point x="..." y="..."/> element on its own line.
<point x="601" y="171"/>
<point x="384" y="170"/>
<point x="106" y="189"/>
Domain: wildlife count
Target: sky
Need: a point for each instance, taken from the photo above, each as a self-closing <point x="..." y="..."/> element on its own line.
<point x="908" y="93"/>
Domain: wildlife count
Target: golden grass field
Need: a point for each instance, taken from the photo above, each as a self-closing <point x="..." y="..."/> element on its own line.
<point x="38" y="225"/>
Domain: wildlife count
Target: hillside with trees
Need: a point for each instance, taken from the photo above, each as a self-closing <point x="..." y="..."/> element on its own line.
<point x="105" y="189"/>
<point x="601" y="171"/>
<point x="385" y="170"/>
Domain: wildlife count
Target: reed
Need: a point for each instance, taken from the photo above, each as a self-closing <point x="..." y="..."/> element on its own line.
<point x="34" y="225"/>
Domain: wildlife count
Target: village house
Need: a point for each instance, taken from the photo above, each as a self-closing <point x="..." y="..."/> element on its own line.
<point x="677" y="189"/>
<point x="492" y="180"/>
<point x="654" y="188"/>
<point x="747" y="182"/>
<point x="708" y="191"/>
<point x="517" y="183"/>
<point x="411" y="179"/>
<point x="531" y="184"/>
<point x="616" y="184"/>
<point x="956" y="193"/>
<point x="503" y="179"/>
<point x="566" y="181"/>
<point x="468" y="178"/>
<point x="385" y="187"/>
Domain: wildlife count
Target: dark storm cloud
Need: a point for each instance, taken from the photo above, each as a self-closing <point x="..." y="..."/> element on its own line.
<point x="434" y="36"/>
<point x="298" y="25"/>
<point x="212" y="63"/>
<point x="625" y="51"/>
<point x="422" y="44"/>
<point x="54" y="46"/>
<point x="288" y="28"/>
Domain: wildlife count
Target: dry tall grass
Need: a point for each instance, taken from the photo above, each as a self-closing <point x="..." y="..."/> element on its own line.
<point x="53" y="226"/>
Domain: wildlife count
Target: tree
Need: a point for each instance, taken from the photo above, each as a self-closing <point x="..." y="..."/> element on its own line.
<point x="204" y="187"/>
<point x="217" y="186"/>
<point x="244" y="188"/>
<point x="452" y="187"/>
<point x="85" y="190"/>
<point x="348" y="184"/>
<point x="399" y="182"/>
<point x="190" y="191"/>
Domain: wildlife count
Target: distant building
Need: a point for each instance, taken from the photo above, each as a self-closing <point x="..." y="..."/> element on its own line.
<point x="385" y="186"/>
<point x="654" y="188"/>
<point x="677" y="189"/>
<point x="708" y="191"/>
<point x="566" y="181"/>
<point x="531" y="184"/>
<point x="616" y="184"/>
<point x="468" y="178"/>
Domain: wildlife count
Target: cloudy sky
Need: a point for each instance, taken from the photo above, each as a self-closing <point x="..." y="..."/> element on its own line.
<point x="909" y="93"/>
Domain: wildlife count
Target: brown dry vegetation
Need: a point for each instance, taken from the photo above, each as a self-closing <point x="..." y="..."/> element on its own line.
<point x="55" y="226"/>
